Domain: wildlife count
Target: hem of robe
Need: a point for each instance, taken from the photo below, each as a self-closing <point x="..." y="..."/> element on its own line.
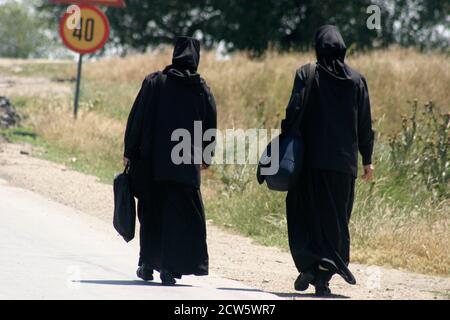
<point x="308" y="250"/>
<point x="200" y="272"/>
<point x="171" y="208"/>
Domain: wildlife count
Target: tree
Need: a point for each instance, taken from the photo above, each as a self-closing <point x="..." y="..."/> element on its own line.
<point x="416" y="22"/>
<point x="152" y="22"/>
<point x="21" y="32"/>
<point x="255" y="25"/>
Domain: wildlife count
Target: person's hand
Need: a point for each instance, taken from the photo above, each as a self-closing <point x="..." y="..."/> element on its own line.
<point x="368" y="172"/>
<point x="126" y="161"/>
<point x="204" y="167"/>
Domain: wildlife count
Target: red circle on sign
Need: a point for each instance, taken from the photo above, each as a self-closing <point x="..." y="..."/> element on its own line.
<point x="91" y="50"/>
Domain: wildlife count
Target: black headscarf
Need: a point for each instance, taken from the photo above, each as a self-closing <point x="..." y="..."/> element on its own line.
<point x="186" y="54"/>
<point x="330" y="52"/>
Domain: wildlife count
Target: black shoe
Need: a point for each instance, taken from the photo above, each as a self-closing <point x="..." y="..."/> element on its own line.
<point x="167" y="278"/>
<point x="145" y="273"/>
<point x="323" y="291"/>
<point x="344" y="272"/>
<point x="322" y="284"/>
<point x="303" y="281"/>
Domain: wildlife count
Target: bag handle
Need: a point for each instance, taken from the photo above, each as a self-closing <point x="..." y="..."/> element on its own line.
<point x="310" y="76"/>
<point x="126" y="170"/>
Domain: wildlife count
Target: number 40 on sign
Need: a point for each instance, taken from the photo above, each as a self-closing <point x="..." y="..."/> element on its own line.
<point x="84" y="29"/>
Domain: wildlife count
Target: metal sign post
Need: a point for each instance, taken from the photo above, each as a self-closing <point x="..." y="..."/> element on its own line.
<point x="89" y="35"/>
<point x="77" y="89"/>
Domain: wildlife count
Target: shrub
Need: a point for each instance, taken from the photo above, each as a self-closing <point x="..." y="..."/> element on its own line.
<point x="420" y="149"/>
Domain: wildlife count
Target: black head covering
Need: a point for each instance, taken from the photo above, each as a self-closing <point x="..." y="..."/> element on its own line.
<point x="330" y="52"/>
<point x="186" y="54"/>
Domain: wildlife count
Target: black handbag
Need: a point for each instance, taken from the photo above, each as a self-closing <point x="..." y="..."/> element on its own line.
<point x="291" y="149"/>
<point x="124" y="220"/>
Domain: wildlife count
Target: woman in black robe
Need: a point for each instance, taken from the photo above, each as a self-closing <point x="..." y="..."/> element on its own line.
<point x="336" y="125"/>
<point x="170" y="208"/>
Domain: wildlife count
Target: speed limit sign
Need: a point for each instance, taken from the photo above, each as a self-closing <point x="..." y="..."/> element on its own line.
<point x="84" y="30"/>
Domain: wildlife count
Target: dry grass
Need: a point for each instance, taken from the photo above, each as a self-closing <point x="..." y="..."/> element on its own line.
<point x="91" y="144"/>
<point x="413" y="236"/>
<point x="394" y="226"/>
<point x="401" y="227"/>
<point x="91" y="131"/>
<point x="421" y="245"/>
<point x="255" y="92"/>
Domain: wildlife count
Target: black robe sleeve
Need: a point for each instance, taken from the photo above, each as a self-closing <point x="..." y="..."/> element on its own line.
<point x="365" y="132"/>
<point x="295" y="102"/>
<point x="209" y="121"/>
<point x="133" y="132"/>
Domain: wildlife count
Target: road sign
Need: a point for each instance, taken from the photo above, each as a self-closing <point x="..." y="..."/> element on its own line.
<point x="110" y="3"/>
<point x="84" y="31"/>
<point x="91" y="32"/>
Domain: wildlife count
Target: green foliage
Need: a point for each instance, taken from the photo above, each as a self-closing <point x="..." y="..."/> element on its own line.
<point x="283" y="24"/>
<point x="420" y="149"/>
<point x="418" y="20"/>
<point x="403" y="210"/>
<point x="21" y="32"/>
<point x="247" y="207"/>
<point x="400" y="218"/>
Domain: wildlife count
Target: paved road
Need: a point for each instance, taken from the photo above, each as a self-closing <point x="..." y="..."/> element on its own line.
<point x="50" y="251"/>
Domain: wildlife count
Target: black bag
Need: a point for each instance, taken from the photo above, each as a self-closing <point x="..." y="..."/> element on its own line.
<point x="291" y="149"/>
<point x="124" y="206"/>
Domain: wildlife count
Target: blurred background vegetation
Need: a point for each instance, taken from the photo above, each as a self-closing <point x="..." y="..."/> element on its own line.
<point x="253" y="26"/>
<point x="22" y="32"/>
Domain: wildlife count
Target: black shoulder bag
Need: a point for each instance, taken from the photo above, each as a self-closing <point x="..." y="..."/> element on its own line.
<point x="285" y="173"/>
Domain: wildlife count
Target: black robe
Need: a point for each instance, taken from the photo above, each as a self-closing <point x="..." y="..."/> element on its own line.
<point x="337" y="122"/>
<point x="169" y="100"/>
<point x="318" y="213"/>
<point x="336" y="125"/>
<point x="171" y="214"/>
<point x="173" y="230"/>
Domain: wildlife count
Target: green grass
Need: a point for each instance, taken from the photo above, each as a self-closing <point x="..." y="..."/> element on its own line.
<point x="112" y="101"/>
<point x="243" y="205"/>
<point x="444" y="294"/>
<point x="399" y="219"/>
<point x="88" y="163"/>
<point x="63" y="70"/>
<point x="389" y="219"/>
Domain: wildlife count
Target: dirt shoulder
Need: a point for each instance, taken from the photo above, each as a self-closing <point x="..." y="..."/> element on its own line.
<point x="232" y="256"/>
